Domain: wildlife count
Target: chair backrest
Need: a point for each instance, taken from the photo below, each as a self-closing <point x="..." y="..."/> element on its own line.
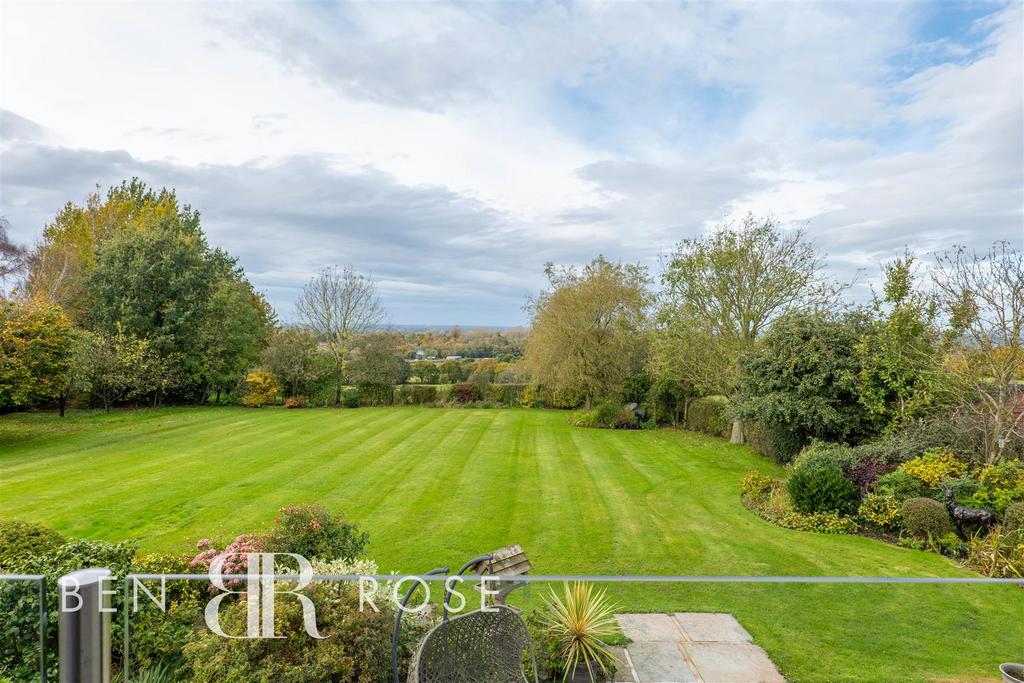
<point x="474" y="647"/>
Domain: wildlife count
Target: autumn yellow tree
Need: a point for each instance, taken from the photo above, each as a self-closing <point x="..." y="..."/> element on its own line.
<point x="587" y="327"/>
<point x="59" y="267"/>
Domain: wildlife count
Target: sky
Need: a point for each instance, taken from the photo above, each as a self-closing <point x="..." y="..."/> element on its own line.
<point x="451" y="150"/>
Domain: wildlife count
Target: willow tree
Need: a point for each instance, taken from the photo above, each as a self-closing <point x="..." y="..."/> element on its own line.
<point x="724" y="289"/>
<point x="586" y="328"/>
<point x="339" y="305"/>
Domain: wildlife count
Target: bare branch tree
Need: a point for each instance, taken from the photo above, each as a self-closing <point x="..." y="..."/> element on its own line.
<point x="983" y="295"/>
<point x="13" y="257"/>
<point x="340" y="305"/>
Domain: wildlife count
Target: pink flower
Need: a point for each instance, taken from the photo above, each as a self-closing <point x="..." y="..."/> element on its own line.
<point x="315" y="524"/>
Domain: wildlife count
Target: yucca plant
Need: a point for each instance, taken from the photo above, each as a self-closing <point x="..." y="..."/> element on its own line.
<point x="576" y="622"/>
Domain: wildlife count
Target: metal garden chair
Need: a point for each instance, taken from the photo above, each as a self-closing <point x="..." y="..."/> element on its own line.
<point x="478" y="646"/>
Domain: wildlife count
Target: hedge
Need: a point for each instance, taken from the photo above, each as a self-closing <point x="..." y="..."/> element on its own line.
<point x="709" y="415"/>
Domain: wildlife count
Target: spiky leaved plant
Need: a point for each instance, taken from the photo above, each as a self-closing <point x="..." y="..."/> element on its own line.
<point x="577" y="622"/>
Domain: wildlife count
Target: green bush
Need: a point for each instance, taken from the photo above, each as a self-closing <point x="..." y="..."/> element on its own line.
<point x="351" y="398"/>
<point x="356" y="645"/>
<point x="784" y="442"/>
<point x="20" y="541"/>
<point x="376" y="394"/>
<point x="465" y="392"/>
<point x="417" y="394"/>
<point x="1013" y="519"/>
<point x="820" y="522"/>
<point x="757" y="485"/>
<point x="823" y="489"/>
<point x="508" y="394"/>
<point x="946" y="434"/>
<point x="999" y="486"/>
<point x="709" y="415"/>
<point x="900" y="485"/>
<point x="925" y="518"/>
<point x="756" y="434"/>
<point x="315" y="532"/>
<point x="820" y="454"/>
<point x="157" y="637"/>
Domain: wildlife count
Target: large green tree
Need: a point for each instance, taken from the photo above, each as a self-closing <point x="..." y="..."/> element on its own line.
<point x="59" y="267"/>
<point x="722" y="291"/>
<point x="900" y="353"/>
<point x="191" y="303"/>
<point x="587" y="328"/>
<point x="802" y="379"/>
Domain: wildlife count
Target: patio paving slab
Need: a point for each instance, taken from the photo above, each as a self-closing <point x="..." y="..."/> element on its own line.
<point x="711" y="627"/>
<point x="691" y="647"/>
<point x="660" y="662"/>
<point x="733" y="663"/>
<point x="649" y="627"/>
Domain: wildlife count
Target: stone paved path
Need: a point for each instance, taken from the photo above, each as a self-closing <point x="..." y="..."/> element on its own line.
<point x="688" y="647"/>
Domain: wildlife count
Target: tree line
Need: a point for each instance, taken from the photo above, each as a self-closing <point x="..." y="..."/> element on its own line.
<point x="747" y="311"/>
<point x="124" y="300"/>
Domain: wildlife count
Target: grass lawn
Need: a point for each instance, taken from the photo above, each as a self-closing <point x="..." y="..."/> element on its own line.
<point x="435" y="487"/>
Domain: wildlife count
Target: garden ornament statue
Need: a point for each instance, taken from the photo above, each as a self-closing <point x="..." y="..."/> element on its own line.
<point x="973" y="519"/>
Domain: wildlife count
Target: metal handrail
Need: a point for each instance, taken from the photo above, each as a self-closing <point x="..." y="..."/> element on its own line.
<point x="398" y="620"/>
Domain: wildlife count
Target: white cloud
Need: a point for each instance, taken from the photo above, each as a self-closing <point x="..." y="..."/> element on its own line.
<point x="460" y="146"/>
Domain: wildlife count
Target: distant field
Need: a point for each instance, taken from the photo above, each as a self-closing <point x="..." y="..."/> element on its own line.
<point x="438" y="486"/>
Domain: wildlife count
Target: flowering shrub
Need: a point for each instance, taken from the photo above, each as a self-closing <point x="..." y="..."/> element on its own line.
<point x="934" y="466"/>
<point x="260" y="389"/>
<point x="314" y="532"/>
<point x="356" y="645"/>
<point x="881" y="511"/>
<point x="237" y="560"/>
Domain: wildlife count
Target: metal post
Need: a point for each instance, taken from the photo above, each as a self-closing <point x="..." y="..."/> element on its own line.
<point x="42" y="629"/>
<point x="84" y="626"/>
